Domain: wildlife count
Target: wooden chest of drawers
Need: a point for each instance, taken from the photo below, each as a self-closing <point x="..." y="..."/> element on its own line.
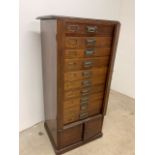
<point x="78" y="57"/>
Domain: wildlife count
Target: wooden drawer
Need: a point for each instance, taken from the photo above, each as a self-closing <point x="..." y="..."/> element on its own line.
<point x="74" y="113"/>
<point x="76" y="101"/>
<point x="85" y="63"/>
<point x="83" y="91"/>
<point x="70" y="136"/>
<point x="91" y="108"/>
<point x="84" y="74"/>
<point x="94" y="107"/>
<point x="84" y="42"/>
<point x="87" y="52"/>
<point x="88" y="28"/>
<point x="74" y="108"/>
<point x="93" y="127"/>
<point x="71" y="114"/>
<point x="68" y="85"/>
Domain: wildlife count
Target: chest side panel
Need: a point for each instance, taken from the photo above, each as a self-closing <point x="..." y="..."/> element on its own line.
<point x="49" y="69"/>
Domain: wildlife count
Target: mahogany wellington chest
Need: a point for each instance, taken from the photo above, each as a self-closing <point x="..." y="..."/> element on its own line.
<point x="78" y="57"/>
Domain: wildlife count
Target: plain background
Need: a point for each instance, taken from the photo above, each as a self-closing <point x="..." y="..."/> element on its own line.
<point x="31" y="93"/>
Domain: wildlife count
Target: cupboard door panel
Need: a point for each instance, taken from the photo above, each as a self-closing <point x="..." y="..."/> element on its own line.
<point x="92" y="127"/>
<point x="70" y="136"/>
<point x="88" y="28"/>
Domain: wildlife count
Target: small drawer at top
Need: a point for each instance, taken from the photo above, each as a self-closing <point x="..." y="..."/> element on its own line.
<point x="93" y="127"/>
<point x="84" y="28"/>
<point x="70" y="136"/>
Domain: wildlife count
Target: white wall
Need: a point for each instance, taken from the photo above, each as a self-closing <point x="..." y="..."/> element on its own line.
<point x="31" y="97"/>
<point x="124" y="73"/>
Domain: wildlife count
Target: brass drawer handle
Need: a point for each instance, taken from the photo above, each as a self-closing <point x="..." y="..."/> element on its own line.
<point x="85" y="92"/>
<point x="86" y="74"/>
<point x="88" y="64"/>
<point x="83" y="115"/>
<point x="84" y="107"/>
<point x="91" y="29"/>
<point x="84" y="103"/>
<point x="89" y="52"/>
<point x="84" y="99"/>
<point x="86" y="83"/>
<point x="90" y="42"/>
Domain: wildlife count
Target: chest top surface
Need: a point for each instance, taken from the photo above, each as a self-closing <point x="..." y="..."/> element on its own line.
<point x="48" y="17"/>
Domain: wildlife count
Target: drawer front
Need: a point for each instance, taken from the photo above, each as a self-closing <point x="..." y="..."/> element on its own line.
<point x="90" y="108"/>
<point x="70" y="136"/>
<point x="87" y="63"/>
<point x="87" y="28"/>
<point x="71" y="114"/>
<point x="84" y="83"/>
<point x="87" y="52"/>
<point x="76" y="101"/>
<point x="78" y="108"/>
<point x="83" y="91"/>
<point x="84" y="42"/>
<point x="84" y="74"/>
<point x="94" y="107"/>
<point x="92" y="127"/>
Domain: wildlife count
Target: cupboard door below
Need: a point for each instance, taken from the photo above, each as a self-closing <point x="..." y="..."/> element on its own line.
<point x="92" y="127"/>
<point x="70" y="136"/>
